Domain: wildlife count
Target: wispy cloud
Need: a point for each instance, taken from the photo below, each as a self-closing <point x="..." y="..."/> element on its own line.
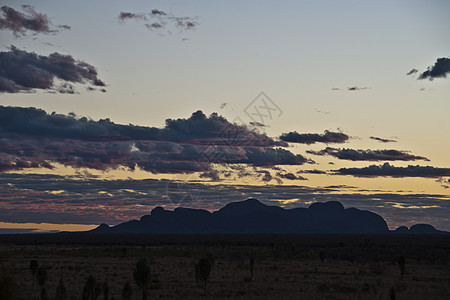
<point x="28" y="21"/>
<point x="357" y="88"/>
<point x="367" y="155"/>
<point x="127" y="15"/>
<point x="290" y="176"/>
<point x="161" y="22"/>
<point x="387" y="170"/>
<point x="413" y="71"/>
<point x="312" y="138"/>
<point x="315" y="171"/>
<point x="382" y="140"/>
<point x="322" y="111"/>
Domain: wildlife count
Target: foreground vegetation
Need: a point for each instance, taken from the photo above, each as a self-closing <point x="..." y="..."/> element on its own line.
<point x="78" y="266"/>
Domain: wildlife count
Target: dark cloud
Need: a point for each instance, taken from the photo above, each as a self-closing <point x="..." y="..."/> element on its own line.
<point x="31" y="138"/>
<point x="161" y="22"/>
<point x="66" y="88"/>
<point x="212" y="175"/>
<point x="154" y="26"/>
<point x="367" y="155"/>
<point x="387" y="170"/>
<point x="351" y="88"/>
<point x="20" y="23"/>
<point x="413" y="71"/>
<point x="185" y="23"/>
<point x="440" y="69"/>
<point x="67" y="27"/>
<point x="266" y="176"/>
<point x="11" y="163"/>
<point x="217" y="130"/>
<point x="311" y="138"/>
<point x="22" y="71"/>
<point x="271" y="157"/>
<point x="444" y="183"/>
<point x="382" y="140"/>
<point x="127" y="15"/>
<point x="198" y="129"/>
<point x="322" y="112"/>
<point x="157" y="12"/>
<point x="315" y="171"/>
<point x="356" y="88"/>
<point x="290" y="176"/>
<point x="257" y="124"/>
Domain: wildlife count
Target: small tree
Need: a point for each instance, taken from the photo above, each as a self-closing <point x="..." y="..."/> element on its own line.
<point x="142" y="276"/>
<point x="33" y="268"/>
<point x="105" y="290"/>
<point x="252" y="266"/>
<point x="61" y="293"/>
<point x="44" y="293"/>
<point x="392" y="294"/>
<point x="42" y="276"/>
<point x="203" y="270"/>
<point x="91" y="289"/>
<point x="127" y="292"/>
<point x="402" y="264"/>
<point x="322" y="255"/>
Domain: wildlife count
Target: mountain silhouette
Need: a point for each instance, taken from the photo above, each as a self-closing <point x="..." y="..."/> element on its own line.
<point x="419" y="229"/>
<point x="253" y="217"/>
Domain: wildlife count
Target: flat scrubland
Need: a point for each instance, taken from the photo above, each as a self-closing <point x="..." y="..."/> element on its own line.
<point x="284" y="266"/>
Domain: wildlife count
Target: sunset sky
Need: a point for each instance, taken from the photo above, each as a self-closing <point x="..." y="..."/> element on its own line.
<point x="110" y="108"/>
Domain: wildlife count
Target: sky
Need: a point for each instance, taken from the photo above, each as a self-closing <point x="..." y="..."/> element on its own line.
<point x="111" y="108"/>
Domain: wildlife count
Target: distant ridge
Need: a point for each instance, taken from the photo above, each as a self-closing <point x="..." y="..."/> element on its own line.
<point x="253" y="217"/>
<point x="419" y="229"/>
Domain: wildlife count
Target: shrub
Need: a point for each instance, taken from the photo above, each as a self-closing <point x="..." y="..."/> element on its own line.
<point x="252" y="266"/>
<point x="127" y="292"/>
<point x="44" y="293"/>
<point x="91" y="289"/>
<point x="61" y="293"/>
<point x="402" y="264"/>
<point x="142" y="276"/>
<point x="203" y="270"/>
<point x="42" y="275"/>
<point x="33" y="268"/>
<point x="105" y="290"/>
<point x="392" y="294"/>
<point x="322" y="255"/>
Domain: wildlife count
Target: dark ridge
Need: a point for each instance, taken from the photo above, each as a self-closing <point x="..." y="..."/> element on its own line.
<point x="253" y="217"/>
<point x="419" y="229"/>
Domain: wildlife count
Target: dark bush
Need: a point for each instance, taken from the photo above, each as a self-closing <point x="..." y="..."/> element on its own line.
<point x="141" y="276"/>
<point x="91" y="289"/>
<point x="61" y="293"/>
<point x="127" y="292"/>
<point x="203" y="270"/>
